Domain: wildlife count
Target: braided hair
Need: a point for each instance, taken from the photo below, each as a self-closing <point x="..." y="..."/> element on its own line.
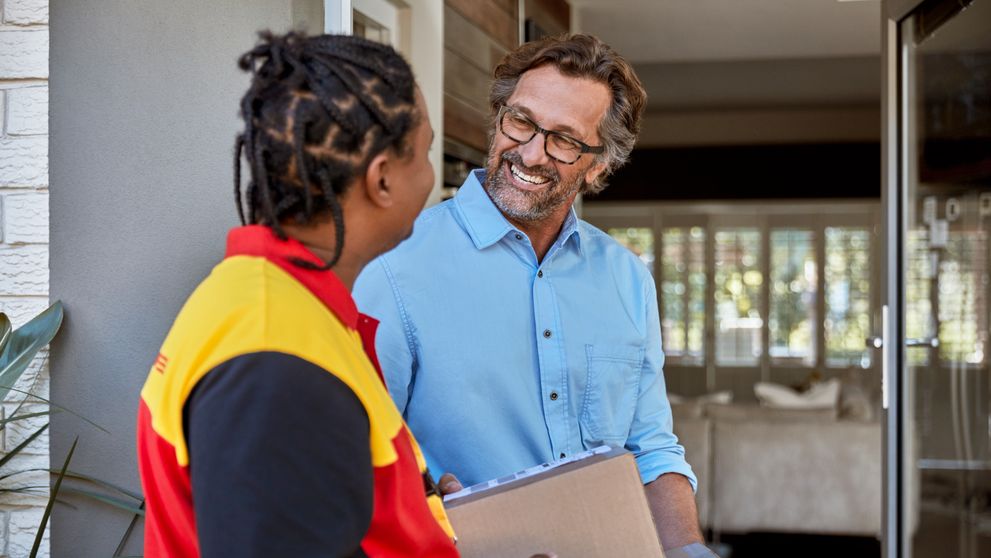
<point x="317" y="112"/>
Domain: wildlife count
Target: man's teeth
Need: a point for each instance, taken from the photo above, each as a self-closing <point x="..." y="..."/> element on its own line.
<point x="527" y="177"/>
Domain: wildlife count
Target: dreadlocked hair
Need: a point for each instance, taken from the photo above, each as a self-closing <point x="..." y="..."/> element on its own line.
<point x="317" y="112"/>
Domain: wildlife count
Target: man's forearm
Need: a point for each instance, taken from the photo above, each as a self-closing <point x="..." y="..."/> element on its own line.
<point x="672" y="504"/>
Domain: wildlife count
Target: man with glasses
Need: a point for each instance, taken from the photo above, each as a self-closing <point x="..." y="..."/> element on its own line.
<point x="514" y="333"/>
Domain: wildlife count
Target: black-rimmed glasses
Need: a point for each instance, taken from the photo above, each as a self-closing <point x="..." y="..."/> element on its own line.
<point x="561" y="147"/>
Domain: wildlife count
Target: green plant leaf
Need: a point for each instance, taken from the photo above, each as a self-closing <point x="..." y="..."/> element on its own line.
<point x="104" y="484"/>
<point x="25" y="342"/>
<point x="57" y="407"/>
<point x="81" y="477"/>
<point x="15" y="418"/>
<point x="20" y="404"/>
<point x="127" y="533"/>
<point x="20" y="447"/>
<point x="5" y="329"/>
<point x="116" y="502"/>
<point x="22" y="471"/>
<point x="35" y="489"/>
<point x="51" y="500"/>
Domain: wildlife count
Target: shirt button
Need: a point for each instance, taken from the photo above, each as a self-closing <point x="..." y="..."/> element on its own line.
<point x="519" y="236"/>
<point x="562" y="455"/>
<point x="553" y="396"/>
<point x="547" y="333"/>
<point x="540" y="273"/>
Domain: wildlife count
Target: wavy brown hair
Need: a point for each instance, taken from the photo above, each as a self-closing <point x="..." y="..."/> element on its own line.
<point x="582" y="56"/>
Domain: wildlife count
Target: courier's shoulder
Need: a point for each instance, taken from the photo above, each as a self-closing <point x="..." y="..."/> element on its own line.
<point x="250" y="290"/>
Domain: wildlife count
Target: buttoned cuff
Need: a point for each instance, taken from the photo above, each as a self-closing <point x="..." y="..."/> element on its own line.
<point x="653" y="464"/>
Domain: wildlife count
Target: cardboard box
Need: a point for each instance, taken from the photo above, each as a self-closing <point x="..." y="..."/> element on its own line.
<point x="591" y="505"/>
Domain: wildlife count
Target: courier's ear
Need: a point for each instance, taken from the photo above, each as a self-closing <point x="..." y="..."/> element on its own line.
<point x="376" y="180"/>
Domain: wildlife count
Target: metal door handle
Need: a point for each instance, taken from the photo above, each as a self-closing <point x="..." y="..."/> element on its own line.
<point x="877" y="342"/>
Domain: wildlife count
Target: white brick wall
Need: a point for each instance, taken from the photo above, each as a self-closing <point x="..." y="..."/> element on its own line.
<point x="25" y="12"/>
<point x="24" y="245"/>
<point x="23" y="52"/>
<point x="27" y="111"/>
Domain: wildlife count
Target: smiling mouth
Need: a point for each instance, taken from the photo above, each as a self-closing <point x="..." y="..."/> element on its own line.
<point x="524" y="178"/>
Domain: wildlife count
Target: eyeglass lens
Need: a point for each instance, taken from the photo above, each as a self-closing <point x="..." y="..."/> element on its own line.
<point x="521" y="129"/>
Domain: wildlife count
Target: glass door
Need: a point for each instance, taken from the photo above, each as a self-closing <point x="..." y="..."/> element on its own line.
<point x="943" y="435"/>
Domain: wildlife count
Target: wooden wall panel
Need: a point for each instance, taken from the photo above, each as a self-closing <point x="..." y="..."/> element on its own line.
<point x="492" y="17"/>
<point x="466" y="81"/>
<point x="554" y="16"/>
<point x="510" y="6"/>
<point x="477" y="34"/>
<point x="470" y="42"/>
<point x="464" y="123"/>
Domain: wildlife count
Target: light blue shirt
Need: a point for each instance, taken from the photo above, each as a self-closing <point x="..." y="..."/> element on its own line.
<point x="499" y="363"/>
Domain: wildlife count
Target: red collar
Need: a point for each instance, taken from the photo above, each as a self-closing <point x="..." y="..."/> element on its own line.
<point x="261" y="241"/>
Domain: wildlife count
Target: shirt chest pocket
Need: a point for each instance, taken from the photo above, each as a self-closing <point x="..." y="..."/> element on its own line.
<point x="611" y="389"/>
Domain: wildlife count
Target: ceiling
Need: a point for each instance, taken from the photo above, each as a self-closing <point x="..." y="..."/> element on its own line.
<point x="744" y="54"/>
<point x="651" y="31"/>
<point x="748" y="84"/>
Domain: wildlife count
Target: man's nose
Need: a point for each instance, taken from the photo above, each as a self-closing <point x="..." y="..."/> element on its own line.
<point x="533" y="152"/>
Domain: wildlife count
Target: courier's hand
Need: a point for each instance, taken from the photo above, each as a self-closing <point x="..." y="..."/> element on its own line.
<point x="448" y="484"/>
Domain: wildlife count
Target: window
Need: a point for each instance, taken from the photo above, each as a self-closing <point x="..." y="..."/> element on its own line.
<point x="640" y="241"/>
<point x="960" y="300"/>
<point x="918" y="293"/>
<point x="782" y="289"/>
<point x="847" y="323"/>
<point x="737" y="296"/>
<point x="682" y="293"/>
<point x="792" y="317"/>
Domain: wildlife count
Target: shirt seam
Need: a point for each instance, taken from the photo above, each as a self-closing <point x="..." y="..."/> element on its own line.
<point x="401" y="306"/>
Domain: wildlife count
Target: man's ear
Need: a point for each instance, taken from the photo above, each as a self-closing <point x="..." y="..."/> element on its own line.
<point x="377" y="186"/>
<point x="593" y="172"/>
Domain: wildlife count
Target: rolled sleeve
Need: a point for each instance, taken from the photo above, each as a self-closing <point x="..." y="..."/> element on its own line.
<point x="652" y="439"/>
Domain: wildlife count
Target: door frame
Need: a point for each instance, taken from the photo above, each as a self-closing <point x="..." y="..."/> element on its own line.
<point x="892" y="538"/>
<point x="898" y="508"/>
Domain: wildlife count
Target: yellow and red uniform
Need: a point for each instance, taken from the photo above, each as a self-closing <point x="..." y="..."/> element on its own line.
<point x="235" y="392"/>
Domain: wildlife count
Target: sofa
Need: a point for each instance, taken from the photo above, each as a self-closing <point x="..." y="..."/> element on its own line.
<point x="783" y="470"/>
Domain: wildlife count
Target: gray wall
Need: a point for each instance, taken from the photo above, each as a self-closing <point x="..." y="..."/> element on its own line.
<point x="143" y="116"/>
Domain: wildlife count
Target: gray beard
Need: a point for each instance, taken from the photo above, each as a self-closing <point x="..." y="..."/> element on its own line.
<point x="524" y="206"/>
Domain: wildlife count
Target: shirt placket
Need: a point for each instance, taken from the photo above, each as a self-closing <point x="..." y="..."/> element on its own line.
<point x="551" y="356"/>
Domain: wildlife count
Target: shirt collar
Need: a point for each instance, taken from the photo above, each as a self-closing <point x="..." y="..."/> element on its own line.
<point x="260" y="241"/>
<point x="486" y="225"/>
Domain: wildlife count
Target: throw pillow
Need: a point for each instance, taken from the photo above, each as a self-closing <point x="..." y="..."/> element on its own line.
<point x="822" y="395"/>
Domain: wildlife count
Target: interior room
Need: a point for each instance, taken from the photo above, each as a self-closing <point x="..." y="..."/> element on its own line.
<point x="754" y="196"/>
<point x="810" y="193"/>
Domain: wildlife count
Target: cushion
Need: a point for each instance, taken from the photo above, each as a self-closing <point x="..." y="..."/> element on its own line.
<point x="822" y="395"/>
